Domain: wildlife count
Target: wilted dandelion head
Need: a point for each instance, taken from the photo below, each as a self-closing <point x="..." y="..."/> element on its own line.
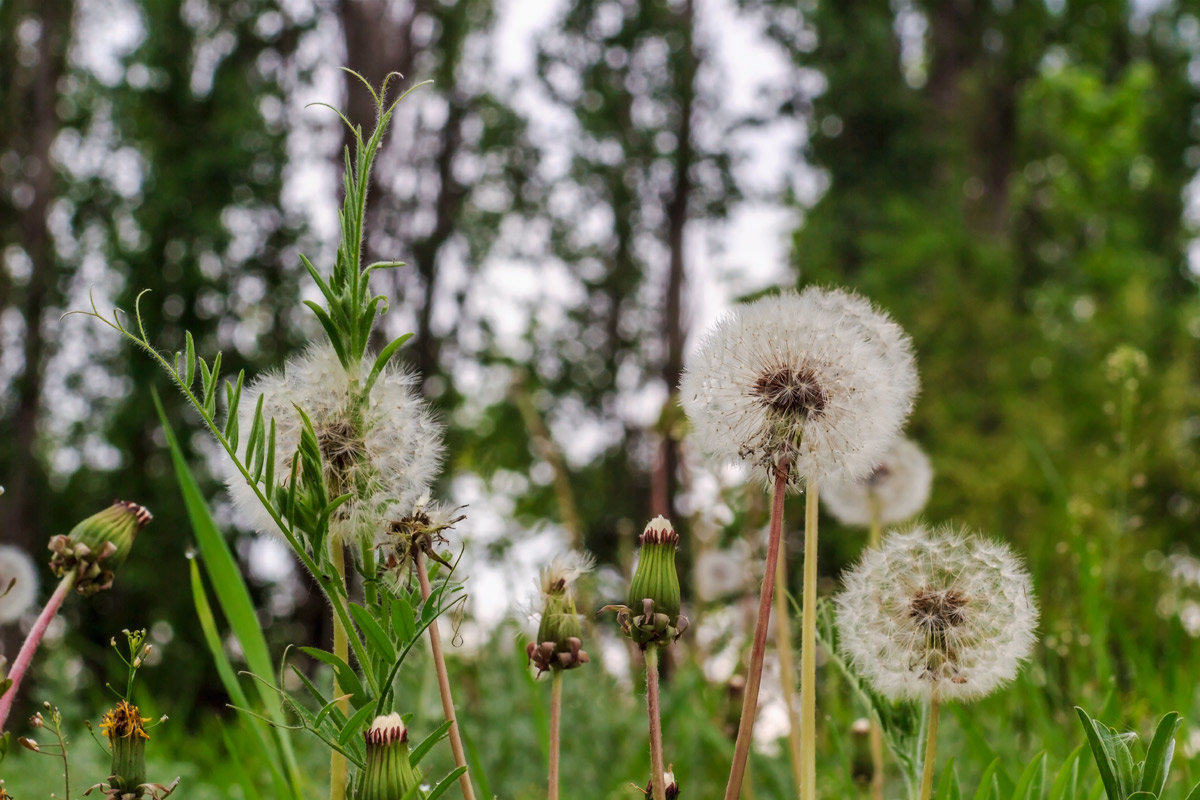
<point x="558" y="578"/>
<point x="937" y="610"/>
<point x="17" y="571"/>
<point x="385" y="452"/>
<point x="559" y="641"/>
<point x="822" y="379"/>
<point x="898" y="487"/>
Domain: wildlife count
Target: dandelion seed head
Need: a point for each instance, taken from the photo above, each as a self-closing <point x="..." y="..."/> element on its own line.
<point x="385" y="452"/>
<point x="559" y="576"/>
<point x="820" y="378"/>
<point x="899" y="485"/>
<point x="937" y="609"/>
<point x="16" y="565"/>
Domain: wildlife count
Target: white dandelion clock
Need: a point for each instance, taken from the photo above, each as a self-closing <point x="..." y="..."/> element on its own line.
<point x="820" y="379"/>
<point x="937" y="613"/>
<point x="18" y="583"/>
<point x="384" y="450"/>
<point x="897" y="489"/>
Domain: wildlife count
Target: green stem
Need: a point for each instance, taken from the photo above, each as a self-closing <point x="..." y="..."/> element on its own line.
<point x="787" y="667"/>
<point x="808" y="648"/>
<point x="874" y="535"/>
<point x="443" y="678"/>
<point x="741" y="748"/>
<point x="341" y="649"/>
<point x="555" y="724"/>
<point x="657" y="770"/>
<point x="935" y="706"/>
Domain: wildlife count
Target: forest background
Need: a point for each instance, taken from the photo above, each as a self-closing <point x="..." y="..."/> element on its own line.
<point x="582" y="189"/>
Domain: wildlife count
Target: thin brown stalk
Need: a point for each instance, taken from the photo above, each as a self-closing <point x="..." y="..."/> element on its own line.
<point x="30" y="646"/>
<point x="439" y="662"/>
<point x="657" y="770"/>
<point x="787" y="667"/>
<point x="741" y="748"/>
<point x="555" y="725"/>
<point x="808" y="648"/>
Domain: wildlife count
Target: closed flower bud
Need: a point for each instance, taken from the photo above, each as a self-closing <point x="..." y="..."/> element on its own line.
<point x="652" y="615"/>
<point x="388" y="773"/>
<point x="97" y="546"/>
<point x="559" y="642"/>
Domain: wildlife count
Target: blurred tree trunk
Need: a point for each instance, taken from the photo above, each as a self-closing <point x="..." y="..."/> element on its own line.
<point x="32" y="72"/>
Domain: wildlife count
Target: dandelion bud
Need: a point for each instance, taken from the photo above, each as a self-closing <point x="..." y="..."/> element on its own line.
<point x="652" y="616"/>
<point x="124" y="726"/>
<point x="388" y="773"/>
<point x="559" y="642"/>
<point x="97" y="546"/>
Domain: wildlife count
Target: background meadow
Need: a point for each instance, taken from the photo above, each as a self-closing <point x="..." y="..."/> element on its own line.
<point x="585" y="187"/>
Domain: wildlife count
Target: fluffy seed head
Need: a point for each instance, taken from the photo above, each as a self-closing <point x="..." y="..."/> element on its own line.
<point x="18" y="571"/>
<point x="821" y="378"/>
<point x="385" y="452"/>
<point x="898" y="486"/>
<point x="937" y="609"/>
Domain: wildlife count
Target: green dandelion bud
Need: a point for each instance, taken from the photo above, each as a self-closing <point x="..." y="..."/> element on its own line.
<point x="559" y="642"/>
<point x="97" y="546"/>
<point x="652" y="615"/>
<point x="388" y="773"/>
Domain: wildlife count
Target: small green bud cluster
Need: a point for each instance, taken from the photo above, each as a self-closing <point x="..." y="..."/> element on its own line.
<point x="652" y="614"/>
<point x="97" y="546"/>
<point x="388" y="773"/>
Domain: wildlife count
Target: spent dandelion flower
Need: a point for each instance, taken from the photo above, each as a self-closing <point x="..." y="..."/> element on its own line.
<point x="937" y="610"/>
<point x="821" y="379"/>
<point x="18" y="583"/>
<point x="383" y="448"/>
<point x="936" y="615"/>
<point x="895" y="490"/>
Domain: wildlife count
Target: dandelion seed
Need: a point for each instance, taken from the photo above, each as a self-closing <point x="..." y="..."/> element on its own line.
<point x="821" y="379"/>
<point x="385" y="451"/>
<point x="560" y="630"/>
<point x="898" y="488"/>
<point x="937" y="610"/>
<point x="18" y="583"/>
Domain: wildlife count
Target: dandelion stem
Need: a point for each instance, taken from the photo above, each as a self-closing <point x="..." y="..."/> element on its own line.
<point x="741" y="748"/>
<point x="30" y="646"/>
<point x="874" y="535"/>
<point x="787" y="666"/>
<point x="439" y="662"/>
<point x="657" y="771"/>
<point x="935" y="707"/>
<point x="808" y="647"/>
<point x="555" y="723"/>
<point x="341" y="649"/>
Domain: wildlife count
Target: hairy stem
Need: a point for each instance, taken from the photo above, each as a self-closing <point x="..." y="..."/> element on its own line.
<point x="30" y="646"/>
<point x="935" y="707"/>
<point x="341" y="649"/>
<point x="555" y="725"/>
<point x="439" y="662"/>
<point x="808" y="648"/>
<point x="741" y="748"/>
<point x="657" y="771"/>
<point x="787" y="667"/>
<point x="874" y="535"/>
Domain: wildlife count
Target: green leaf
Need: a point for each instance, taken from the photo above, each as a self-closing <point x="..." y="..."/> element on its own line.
<point x="948" y="788"/>
<point x="1029" y="785"/>
<point x="1100" y="752"/>
<point x="1067" y="779"/>
<point x="1160" y="753"/>
<point x="428" y="742"/>
<point x="347" y="681"/>
<point x="190" y="364"/>
<point x="445" y="784"/>
<point x="356" y="724"/>
<point x="404" y="619"/>
<point x="989" y="785"/>
<point x="374" y="632"/>
<point x="1194" y="794"/>
<point x="382" y="359"/>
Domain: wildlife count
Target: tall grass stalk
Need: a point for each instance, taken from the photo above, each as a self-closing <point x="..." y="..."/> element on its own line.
<point x="808" y="648"/>
<point x="787" y="666"/>
<point x="443" y="678"/>
<point x="741" y="748"/>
